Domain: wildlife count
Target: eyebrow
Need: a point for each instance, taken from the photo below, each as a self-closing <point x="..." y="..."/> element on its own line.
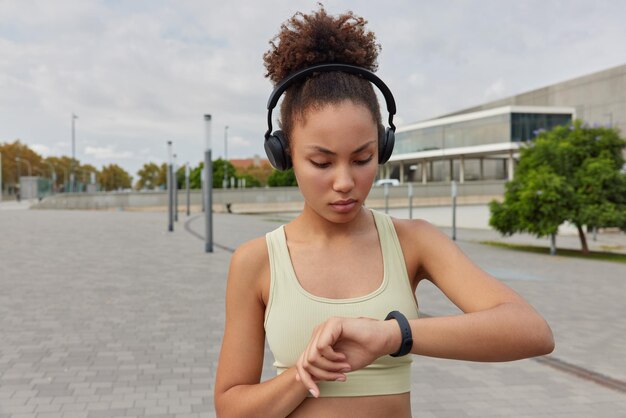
<point x="329" y="152"/>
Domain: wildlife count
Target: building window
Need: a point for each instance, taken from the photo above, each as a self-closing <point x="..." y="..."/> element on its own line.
<point x="526" y="126"/>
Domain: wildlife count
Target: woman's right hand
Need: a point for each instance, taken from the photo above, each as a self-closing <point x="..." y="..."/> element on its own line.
<point x="341" y="345"/>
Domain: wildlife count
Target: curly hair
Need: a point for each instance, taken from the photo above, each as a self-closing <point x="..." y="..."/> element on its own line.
<point x="319" y="38"/>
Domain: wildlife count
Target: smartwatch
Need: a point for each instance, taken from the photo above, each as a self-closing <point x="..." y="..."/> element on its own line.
<point x="405" y="328"/>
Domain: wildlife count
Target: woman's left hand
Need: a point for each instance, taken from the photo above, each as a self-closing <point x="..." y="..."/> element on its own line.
<point x="339" y="342"/>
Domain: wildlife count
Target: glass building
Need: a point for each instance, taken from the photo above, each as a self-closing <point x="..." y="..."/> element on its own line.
<point x="470" y="146"/>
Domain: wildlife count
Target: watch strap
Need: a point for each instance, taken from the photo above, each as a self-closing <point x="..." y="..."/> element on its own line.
<point x="405" y="329"/>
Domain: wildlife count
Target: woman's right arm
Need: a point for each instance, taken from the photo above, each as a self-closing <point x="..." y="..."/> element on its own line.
<point x="238" y="392"/>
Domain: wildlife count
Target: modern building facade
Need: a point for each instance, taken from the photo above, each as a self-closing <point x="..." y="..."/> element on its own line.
<point x="481" y="142"/>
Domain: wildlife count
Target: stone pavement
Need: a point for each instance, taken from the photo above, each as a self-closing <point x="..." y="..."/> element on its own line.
<point x="106" y="314"/>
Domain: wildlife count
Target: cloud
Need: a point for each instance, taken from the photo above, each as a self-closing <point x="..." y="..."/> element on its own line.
<point x="495" y="90"/>
<point x="107" y="153"/>
<point x="41" y="149"/>
<point x="417" y="79"/>
<point x="142" y="73"/>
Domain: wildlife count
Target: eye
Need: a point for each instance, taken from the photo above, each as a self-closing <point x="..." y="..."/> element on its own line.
<point x="320" y="165"/>
<point x="365" y="161"/>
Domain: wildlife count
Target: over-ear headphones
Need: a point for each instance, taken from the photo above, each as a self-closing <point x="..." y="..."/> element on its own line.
<point x="276" y="143"/>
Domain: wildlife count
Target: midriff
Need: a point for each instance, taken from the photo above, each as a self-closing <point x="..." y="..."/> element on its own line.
<point x="388" y="406"/>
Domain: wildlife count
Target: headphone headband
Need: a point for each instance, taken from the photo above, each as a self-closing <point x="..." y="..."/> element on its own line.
<point x="324" y="68"/>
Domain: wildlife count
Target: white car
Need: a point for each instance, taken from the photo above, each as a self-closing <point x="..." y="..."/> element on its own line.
<point x="391" y="182"/>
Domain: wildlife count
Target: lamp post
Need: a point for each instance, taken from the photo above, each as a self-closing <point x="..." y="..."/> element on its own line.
<point x="208" y="176"/>
<point x="1" y="188"/>
<point x="30" y="171"/>
<point x="19" y="165"/>
<point x="187" y="185"/>
<point x="72" y="176"/>
<point x="85" y="171"/>
<point x="225" y="180"/>
<point x="175" y="181"/>
<point x="53" y="177"/>
<point x="53" y="174"/>
<point x="170" y="195"/>
<point x="65" y="185"/>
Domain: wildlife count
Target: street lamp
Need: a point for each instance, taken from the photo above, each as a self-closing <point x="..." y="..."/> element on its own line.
<point x="170" y="195"/>
<point x="65" y="170"/>
<point x="208" y="176"/>
<point x="225" y="180"/>
<point x="175" y="180"/>
<point x="72" y="177"/>
<point x="53" y="174"/>
<point x="1" y="187"/>
<point x="19" y="161"/>
<point x="187" y="185"/>
<point x="85" y="172"/>
<point x="53" y="177"/>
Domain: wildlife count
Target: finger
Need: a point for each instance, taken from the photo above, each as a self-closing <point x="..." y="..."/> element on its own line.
<point x="311" y="353"/>
<point x="321" y="345"/>
<point x="328" y="352"/>
<point x="302" y="374"/>
<point x="329" y="334"/>
<point x="307" y="380"/>
<point x="318" y="374"/>
<point x="325" y="364"/>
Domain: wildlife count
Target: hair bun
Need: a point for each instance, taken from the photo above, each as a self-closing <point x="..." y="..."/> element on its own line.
<point x="318" y="38"/>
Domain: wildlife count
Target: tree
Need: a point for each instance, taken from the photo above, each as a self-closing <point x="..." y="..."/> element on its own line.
<point x="195" y="176"/>
<point x="568" y="174"/>
<point x="256" y="174"/>
<point x="219" y="166"/>
<point x="114" y="177"/>
<point x="84" y="174"/>
<point x="282" y="178"/>
<point x="62" y="169"/>
<point x="10" y="167"/>
<point x="151" y="176"/>
<point x="251" y="181"/>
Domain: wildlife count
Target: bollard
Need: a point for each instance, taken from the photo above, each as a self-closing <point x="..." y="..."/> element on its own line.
<point x="454" y="193"/>
<point x="410" y="200"/>
<point x="386" y="189"/>
<point x="187" y="186"/>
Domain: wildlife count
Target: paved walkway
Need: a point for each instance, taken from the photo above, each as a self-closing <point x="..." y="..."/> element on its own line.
<point x="106" y="314"/>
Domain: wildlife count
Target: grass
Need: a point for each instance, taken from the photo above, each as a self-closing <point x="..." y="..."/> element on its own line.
<point x="593" y="255"/>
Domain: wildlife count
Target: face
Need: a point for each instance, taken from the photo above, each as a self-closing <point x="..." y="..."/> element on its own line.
<point x="335" y="159"/>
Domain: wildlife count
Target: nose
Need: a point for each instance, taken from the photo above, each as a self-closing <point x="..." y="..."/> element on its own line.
<point x="344" y="180"/>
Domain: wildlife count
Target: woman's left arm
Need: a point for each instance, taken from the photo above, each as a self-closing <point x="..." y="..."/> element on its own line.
<point x="496" y="325"/>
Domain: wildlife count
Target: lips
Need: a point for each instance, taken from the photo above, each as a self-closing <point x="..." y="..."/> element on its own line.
<point x="343" y="206"/>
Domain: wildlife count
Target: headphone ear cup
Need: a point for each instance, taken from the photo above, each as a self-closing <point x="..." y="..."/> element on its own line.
<point x="386" y="144"/>
<point x="277" y="150"/>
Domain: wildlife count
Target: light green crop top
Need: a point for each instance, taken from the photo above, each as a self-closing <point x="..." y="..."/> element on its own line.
<point x="292" y="313"/>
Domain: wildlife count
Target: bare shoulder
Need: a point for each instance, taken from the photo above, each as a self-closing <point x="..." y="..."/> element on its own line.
<point x="416" y="233"/>
<point x="414" y="236"/>
<point x="249" y="267"/>
<point x="251" y="255"/>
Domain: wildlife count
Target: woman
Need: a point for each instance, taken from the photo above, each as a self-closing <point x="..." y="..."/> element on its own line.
<point x="334" y="289"/>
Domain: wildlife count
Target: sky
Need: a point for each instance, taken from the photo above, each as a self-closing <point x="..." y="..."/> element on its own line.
<point x="140" y="73"/>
